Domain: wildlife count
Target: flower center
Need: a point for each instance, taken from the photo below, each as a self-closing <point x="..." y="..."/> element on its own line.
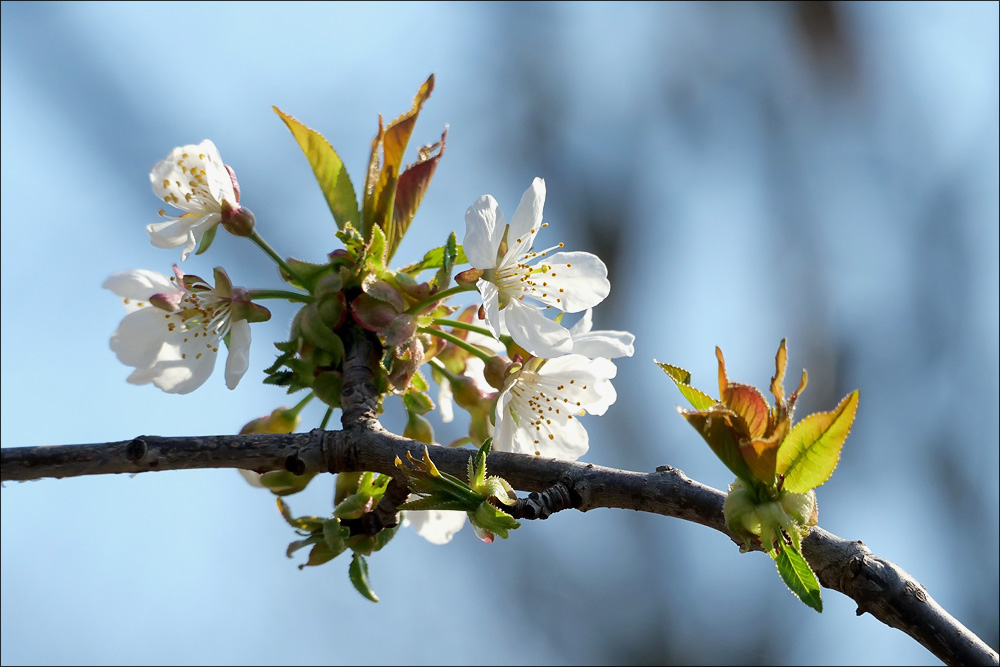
<point x="541" y="405"/>
<point x="517" y="279"/>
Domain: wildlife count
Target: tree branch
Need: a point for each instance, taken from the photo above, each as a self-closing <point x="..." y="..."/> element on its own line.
<point x="878" y="586"/>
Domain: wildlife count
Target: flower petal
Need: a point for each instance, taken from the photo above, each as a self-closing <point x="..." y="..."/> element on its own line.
<point x="527" y="220"/>
<point x="610" y="344"/>
<point x="139" y="284"/>
<point x="484" y="228"/>
<point x="491" y="303"/>
<point x="238" y="360"/>
<point x="177" y="371"/>
<point x="576" y="281"/>
<point x="140" y="337"/>
<point x="534" y="332"/>
<point x="435" y="526"/>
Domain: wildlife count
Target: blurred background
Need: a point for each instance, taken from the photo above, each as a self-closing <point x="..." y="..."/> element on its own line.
<point x="820" y="171"/>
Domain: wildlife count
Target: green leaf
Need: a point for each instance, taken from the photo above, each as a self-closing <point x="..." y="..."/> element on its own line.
<point x="443" y="275"/>
<point x="810" y="452"/>
<point x="682" y="378"/>
<point x="320" y="553"/>
<point x="334" y="536"/>
<point x="723" y="430"/>
<point x="359" y="577"/>
<point x="306" y="524"/>
<point x="329" y="171"/>
<point x="435" y="259"/>
<point x="798" y="576"/>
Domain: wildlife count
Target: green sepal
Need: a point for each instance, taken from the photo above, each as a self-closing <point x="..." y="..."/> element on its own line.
<point x="798" y="576"/>
<point x="417" y="402"/>
<point x="488" y="521"/>
<point x="384" y="536"/>
<point x="319" y="334"/>
<point x="810" y="453"/>
<point x="698" y="399"/>
<point x="329" y="171"/>
<point x="206" y="240"/>
<point x="353" y="507"/>
<point x="359" y="577"/>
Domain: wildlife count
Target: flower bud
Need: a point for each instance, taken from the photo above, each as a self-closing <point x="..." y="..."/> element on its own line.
<point x="237" y="220"/>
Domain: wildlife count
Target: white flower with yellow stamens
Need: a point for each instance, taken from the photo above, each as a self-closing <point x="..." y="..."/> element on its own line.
<point x="194" y="180"/>
<point x="174" y="328"/>
<point x="539" y="408"/>
<point x="518" y="284"/>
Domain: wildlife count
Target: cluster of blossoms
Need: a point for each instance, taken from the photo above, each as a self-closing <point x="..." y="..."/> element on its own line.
<point x="175" y="326"/>
<point x="524" y="378"/>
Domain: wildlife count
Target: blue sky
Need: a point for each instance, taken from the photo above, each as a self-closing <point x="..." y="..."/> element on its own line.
<point x="743" y="183"/>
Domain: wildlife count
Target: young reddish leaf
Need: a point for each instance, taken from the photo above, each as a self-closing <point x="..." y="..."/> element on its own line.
<point x="682" y="378"/>
<point x="798" y="576"/>
<point x="328" y="169"/>
<point x="383" y="172"/>
<point x="723" y="430"/>
<point x="810" y="453"/>
<point x="760" y="457"/>
<point x="747" y="401"/>
<point x="410" y="190"/>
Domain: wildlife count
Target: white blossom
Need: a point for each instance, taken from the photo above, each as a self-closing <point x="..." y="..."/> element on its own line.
<point x="194" y="180"/>
<point x="539" y="408"/>
<point x="518" y="284"/>
<point x="175" y="327"/>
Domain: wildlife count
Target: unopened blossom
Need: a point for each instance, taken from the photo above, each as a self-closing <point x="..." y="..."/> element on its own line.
<point x="175" y="327"/>
<point x="518" y="284"/>
<point x="539" y="408"/>
<point x="194" y="180"/>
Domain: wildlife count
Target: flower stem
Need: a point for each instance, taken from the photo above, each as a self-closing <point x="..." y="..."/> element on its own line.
<point x="442" y="322"/>
<point x="418" y="307"/>
<point x="326" y="419"/>
<point x="280" y="294"/>
<point x="301" y="404"/>
<point x="455" y="340"/>
<point x="263" y="245"/>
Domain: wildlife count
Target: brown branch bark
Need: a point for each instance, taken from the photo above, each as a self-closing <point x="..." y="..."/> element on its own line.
<point x="878" y="586"/>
